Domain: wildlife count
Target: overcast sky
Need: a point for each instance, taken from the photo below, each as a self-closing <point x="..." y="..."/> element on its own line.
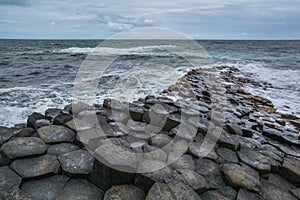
<point x="201" y="19"/>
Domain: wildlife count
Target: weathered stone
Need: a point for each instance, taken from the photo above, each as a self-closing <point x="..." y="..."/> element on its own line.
<point x="37" y="166"/>
<point x="227" y="155"/>
<point x="296" y="192"/>
<point x="288" y="149"/>
<point x="23" y="146"/>
<point x="257" y="160"/>
<point x="163" y="174"/>
<point x="124" y="192"/>
<point x="247" y="132"/>
<point x="210" y="170"/>
<point x="55" y="134"/>
<point x="278" y="181"/>
<point x="33" y="118"/>
<point x="291" y="169"/>
<point x="77" y="189"/>
<point x="213" y="195"/>
<point x="5" y="134"/>
<point x="229" y="141"/>
<point x="185" y="131"/>
<point x="173" y="191"/>
<point x="136" y="112"/>
<point x="172" y="121"/>
<point x="198" y="151"/>
<point x="46" y="188"/>
<point x="245" y="195"/>
<point x="160" y="140"/>
<point x="184" y="162"/>
<point x="51" y="113"/>
<point x="8" y="179"/>
<point x="62" y="118"/>
<point x="15" y="194"/>
<point x="40" y="123"/>
<point x="234" y="129"/>
<point x="78" y="107"/>
<point x="4" y="160"/>
<point x="280" y="136"/>
<point x="237" y="176"/>
<point x="77" y="162"/>
<point x="228" y="192"/>
<point x="269" y="191"/>
<point x="62" y="148"/>
<point x="196" y="181"/>
<point x="23" y="132"/>
<point x="105" y="177"/>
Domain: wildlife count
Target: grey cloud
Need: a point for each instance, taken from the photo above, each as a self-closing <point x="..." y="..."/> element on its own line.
<point x="14" y="2"/>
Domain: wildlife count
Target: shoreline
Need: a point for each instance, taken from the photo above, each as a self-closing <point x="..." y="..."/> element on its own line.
<point x="257" y="155"/>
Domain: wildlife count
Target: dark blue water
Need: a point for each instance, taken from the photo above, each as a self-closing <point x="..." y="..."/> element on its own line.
<point x="36" y="74"/>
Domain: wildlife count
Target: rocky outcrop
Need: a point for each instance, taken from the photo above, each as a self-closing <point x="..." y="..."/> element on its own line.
<point x="195" y="147"/>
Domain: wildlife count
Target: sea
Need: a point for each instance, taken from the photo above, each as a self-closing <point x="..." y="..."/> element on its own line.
<point x="40" y="74"/>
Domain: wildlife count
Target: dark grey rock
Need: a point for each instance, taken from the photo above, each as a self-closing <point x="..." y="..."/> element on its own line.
<point x="51" y="113"/>
<point x="269" y="191"/>
<point x="163" y="174"/>
<point x="213" y="195"/>
<point x="196" y="150"/>
<point x="257" y="160"/>
<point x="5" y="134"/>
<point x="227" y="155"/>
<point x="62" y="118"/>
<point x="160" y="140"/>
<point x="296" y="192"/>
<point x="37" y="166"/>
<point x="77" y="162"/>
<point x="210" y="170"/>
<point x="174" y="191"/>
<point x="172" y="121"/>
<point x="40" y="123"/>
<point x="228" y="192"/>
<point x="184" y="162"/>
<point x="136" y="112"/>
<point x="61" y="148"/>
<point x="196" y="181"/>
<point x="33" y="118"/>
<point x="56" y="134"/>
<point x="46" y="188"/>
<point x="4" y="160"/>
<point x="124" y="192"/>
<point x="15" y="194"/>
<point x="234" y="129"/>
<point x="291" y="169"/>
<point x="105" y="177"/>
<point x="229" y="141"/>
<point x="8" y="179"/>
<point x="245" y="195"/>
<point x="23" y="132"/>
<point x="78" y="189"/>
<point x="237" y="176"/>
<point x="280" y="136"/>
<point x="278" y="181"/>
<point x="23" y="146"/>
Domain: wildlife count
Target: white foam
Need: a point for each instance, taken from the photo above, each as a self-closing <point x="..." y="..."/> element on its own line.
<point x="116" y="51"/>
<point x="3" y="90"/>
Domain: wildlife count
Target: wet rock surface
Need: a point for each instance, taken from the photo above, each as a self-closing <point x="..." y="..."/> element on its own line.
<point x="77" y="162"/>
<point x="37" y="166"/>
<point x="191" y="145"/>
<point x="56" y="134"/>
<point x="21" y="147"/>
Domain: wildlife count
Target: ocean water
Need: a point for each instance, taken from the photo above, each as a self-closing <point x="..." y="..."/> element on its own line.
<point x="39" y="74"/>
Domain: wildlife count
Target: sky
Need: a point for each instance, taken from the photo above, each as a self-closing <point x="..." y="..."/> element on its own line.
<point x="199" y="19"/>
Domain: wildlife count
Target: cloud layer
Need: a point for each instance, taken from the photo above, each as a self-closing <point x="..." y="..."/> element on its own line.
<point x="209" y="19"/>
